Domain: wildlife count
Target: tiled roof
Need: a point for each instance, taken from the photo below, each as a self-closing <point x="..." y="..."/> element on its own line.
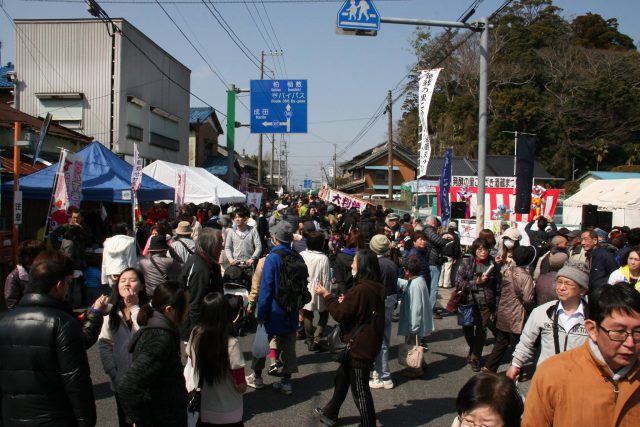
<point x="199" y="114"/>
<point x="4" y="82"/>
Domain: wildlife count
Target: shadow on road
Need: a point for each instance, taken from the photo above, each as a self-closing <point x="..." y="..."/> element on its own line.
<point x="102" y="391"/>
<point x="418" y="412"/>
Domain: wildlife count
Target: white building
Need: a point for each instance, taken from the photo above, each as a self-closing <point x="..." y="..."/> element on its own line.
<point x="65" y="67"/>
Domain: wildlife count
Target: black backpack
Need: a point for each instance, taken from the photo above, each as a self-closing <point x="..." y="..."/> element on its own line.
<point x="452" y="248"/>
<point x="293" y="292"/>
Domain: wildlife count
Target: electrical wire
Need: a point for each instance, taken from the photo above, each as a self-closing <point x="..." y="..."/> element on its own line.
<point x="275" y="35"/>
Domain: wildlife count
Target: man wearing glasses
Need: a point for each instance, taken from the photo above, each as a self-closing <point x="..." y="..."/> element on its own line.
<point x="559" y="324"/>
<point x="599" y="382"/>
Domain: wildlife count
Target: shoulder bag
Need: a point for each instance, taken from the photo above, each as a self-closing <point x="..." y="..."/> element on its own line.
<point x="411" y="356"/>
<point x="343" y="356"/>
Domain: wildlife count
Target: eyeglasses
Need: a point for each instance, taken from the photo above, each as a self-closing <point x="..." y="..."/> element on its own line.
<point x="468" y="423"/>
<point x="622" y="336"/>
<point x="566" y="283"/>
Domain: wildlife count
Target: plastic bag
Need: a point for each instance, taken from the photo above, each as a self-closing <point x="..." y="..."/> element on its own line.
<point x="260" y="343"/>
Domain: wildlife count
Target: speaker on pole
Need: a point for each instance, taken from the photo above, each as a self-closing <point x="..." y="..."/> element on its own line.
<point x="589" y="216"/>
<point x="458" y="210"/>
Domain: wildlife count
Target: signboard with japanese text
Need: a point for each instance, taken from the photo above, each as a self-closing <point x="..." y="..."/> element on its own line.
<point x="341" y="199"/>
<point x="489" y="181"/>
<point x="17" y="207"/>
<point x="278" y="106"/>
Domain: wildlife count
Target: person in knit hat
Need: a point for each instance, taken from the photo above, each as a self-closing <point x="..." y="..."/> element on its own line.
<point x="568" y="312"/>
<point x="517" y="298"/>
<point x="379" y="244"/>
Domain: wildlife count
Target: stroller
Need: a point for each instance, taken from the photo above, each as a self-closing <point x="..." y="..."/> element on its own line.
<point x="237" y="283"/>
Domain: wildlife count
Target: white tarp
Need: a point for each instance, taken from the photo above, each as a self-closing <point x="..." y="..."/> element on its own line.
<point x="619" y="196"/>
<point x="201" y="185"/>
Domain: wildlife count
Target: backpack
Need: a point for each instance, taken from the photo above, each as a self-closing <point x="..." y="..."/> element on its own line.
<point x="452" y="249"/>
<point x="293" y="292"/>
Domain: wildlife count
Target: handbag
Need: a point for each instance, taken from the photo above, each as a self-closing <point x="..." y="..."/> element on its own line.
<point x="411" y="355"/>
<point x="466" y="316"/>
<point x="194" y="396"/>
<point x="338" y="347"/>
<point x="454" y="300"/>
<point x="334" y="342"/>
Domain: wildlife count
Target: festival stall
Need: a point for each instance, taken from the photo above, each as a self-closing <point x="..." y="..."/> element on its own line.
<point x="105" y="178"/>
<point x="200" y="186"/>
<point x="620" y="196"/>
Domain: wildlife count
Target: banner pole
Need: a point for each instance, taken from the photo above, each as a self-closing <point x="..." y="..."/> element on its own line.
<point x="53" y="192"/>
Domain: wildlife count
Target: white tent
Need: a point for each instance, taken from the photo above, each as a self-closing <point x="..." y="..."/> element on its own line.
<point x="200" y="185"/>
<point x="620" y="196"/>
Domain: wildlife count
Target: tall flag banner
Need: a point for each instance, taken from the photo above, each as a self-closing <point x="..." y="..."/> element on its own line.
<point x="181" y="185"/>
<point x="67" y="192"/>
<point x="445" y="185"/>
<point x="136" y="171"/>
<point x="216" y="199"/>
<point x="525" y="156"/>
<point x="244" y="182"/>
<point x="43" y="133"/>
<point x="425" y="92"/>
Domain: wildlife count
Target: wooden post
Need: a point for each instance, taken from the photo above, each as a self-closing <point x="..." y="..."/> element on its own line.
<point x="16" y="187"/>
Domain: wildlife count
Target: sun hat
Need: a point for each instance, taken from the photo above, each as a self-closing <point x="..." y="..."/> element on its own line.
<point x="184" y="228"/>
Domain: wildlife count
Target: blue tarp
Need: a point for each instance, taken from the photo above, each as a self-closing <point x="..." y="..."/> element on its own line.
<point x="105" y="178"/>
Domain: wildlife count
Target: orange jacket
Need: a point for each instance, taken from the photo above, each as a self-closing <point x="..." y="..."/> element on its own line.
<point x="575" y="389"/>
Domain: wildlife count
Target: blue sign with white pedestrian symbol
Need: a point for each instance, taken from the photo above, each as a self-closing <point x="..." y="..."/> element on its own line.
<point x="359" y="15"/>
<point x="308" y="184"/>
<point x="278" y="106"/>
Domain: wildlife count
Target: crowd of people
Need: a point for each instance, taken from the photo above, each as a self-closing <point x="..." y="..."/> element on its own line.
<point x="167" y="330"/>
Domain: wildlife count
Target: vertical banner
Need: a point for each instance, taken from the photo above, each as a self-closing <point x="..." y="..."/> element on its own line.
<point x="136" y="181"/>
<point x="525" y="155"/>
<point x="244" y="182"/>
<point x="43" y="133"/>
<point x="67" y="192"/>
<point x="181" y="184"/>
<point x="216" y="199"/>
<point x="425" y="92"/>
<point x="445" y="185"/>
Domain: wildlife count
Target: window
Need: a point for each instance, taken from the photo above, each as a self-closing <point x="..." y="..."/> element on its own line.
<point x="135" y="129"/>
<point x="380" y="176"/>
<point x="164" y="132"/>
<point x="66" y="108"/>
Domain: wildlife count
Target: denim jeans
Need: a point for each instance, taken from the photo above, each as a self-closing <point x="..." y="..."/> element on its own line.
<point x="434" y="271"/>
<point x="382" y="360"/>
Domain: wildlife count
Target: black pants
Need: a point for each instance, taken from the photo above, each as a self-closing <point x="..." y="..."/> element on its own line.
<point x="476" y="335"/>
<point x="358" y="379"/>
<point x="238" y="424"/>
<point x="503" y="341"/>
<point x="122" y="418"/>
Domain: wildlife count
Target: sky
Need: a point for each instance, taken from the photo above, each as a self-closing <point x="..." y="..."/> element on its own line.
<point x="348" y="77"/>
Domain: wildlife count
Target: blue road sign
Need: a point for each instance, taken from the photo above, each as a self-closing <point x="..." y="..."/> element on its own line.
<point x="308" y="183"/>
<point x="278" y="106"/>
<point x="359" y="15"/>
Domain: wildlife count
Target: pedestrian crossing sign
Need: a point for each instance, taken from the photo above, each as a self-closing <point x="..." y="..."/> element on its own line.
<point x="359" y="15"/>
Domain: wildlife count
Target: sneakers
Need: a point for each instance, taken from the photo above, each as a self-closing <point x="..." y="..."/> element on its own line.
<point x="475" y="365"/>
<point x="273" y="369"/>
<point x="324" y="419"/>
<point x="282" y="387"/>
<point x="254" y="382"/>
<point x="378" y="383"/>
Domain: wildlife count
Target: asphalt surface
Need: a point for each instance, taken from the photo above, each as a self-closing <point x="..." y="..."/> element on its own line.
<point x="427" y="401"/>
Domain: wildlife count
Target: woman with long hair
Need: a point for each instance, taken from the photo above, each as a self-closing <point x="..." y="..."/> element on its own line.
<point x="218" y="363"/>
<point x="119" y="327"/>
<point x="477" y="278"/>
<point x="630" y="271"/>
<point x="152" y="392"/>
<point x="342" y="265"/>
<point x="360" y="312"/>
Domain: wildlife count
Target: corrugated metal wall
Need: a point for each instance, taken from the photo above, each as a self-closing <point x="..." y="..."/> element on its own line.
<point x="66" y="57"/>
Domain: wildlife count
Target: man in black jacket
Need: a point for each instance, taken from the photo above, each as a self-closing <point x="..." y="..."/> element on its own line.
<point x="44" y="371"/>
<point x="600" y="261"/>
<point x="436" y="244"/>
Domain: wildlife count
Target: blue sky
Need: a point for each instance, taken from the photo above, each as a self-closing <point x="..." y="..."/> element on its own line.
<point x="348" y="77"/>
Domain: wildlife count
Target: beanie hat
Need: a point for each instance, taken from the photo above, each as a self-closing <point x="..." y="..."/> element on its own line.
<point x="576" y="272"/>
<point x="330" y="208"/>
<point x="557" y="260"/>
<point x="512" y="233"/>
<point x="158" y="244"/>
<point x="379" y="244"/>
<point x="524" y="255"/>
<point x="283" y="232"/>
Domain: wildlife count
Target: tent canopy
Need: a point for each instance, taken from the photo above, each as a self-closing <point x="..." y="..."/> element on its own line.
<point x="105" y="178"/>
<point x="200" y="185"/>
<point x="608" y="194"/>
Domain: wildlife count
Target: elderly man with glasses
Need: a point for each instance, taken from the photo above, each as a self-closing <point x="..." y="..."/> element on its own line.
<point x="597" y="383"/>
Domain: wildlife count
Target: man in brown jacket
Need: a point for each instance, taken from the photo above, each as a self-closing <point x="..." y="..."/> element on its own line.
<point x="599" y="382"/>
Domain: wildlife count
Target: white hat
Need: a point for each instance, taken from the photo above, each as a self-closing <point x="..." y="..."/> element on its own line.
<point x="281" y="206"/>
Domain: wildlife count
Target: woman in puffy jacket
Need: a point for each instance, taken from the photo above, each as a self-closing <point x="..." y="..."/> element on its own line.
<point x="517" y="297"/>
<point x="153" y="392"/>
<point x="17" y="280"/>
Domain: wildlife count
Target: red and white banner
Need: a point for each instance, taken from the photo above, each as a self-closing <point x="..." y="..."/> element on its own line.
<point x="68" y="190"/>
<point x="181" y="185"/>
<point x="495" y="197"/>
<point x="341" y="199"/>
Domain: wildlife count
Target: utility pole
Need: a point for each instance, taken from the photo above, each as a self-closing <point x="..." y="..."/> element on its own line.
<point x="482" y="121"/>
<point x="231" y="131"/>
<point x="260" y="135"/>
<point x="335" y="168"/>
<point x="15" y="235"/>
<point x="390" y="148"/>
<point x="273" y="149"/>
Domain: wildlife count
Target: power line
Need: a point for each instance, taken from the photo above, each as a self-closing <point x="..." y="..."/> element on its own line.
<point x="197" y="1"/>
<point x="275" y="35"/>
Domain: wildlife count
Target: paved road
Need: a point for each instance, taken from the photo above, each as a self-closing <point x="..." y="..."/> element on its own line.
<point x="429" y="401"/>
